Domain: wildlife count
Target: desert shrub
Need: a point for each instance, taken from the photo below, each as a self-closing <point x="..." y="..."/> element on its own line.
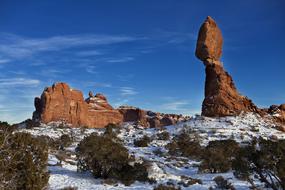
<point x="187" y="181"/>
<point x="218" y="155"/>
<point x="107" y="158"/>
<point x="143" y="142"/>
<point x="6" y="127"/>
<point x="223" y="184"/>
<point x="163" y="136"/>
<point x="166" y="187"/>
<point x="111" y="130"/>
<point x="23" y="162"/>
<point x="69" y="188"/>
<point x="184" y="145"/>
<point x="264" y="158"/>
<point x="65" y="140"/>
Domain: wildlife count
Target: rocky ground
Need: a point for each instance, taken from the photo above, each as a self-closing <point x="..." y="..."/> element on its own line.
<point x="162" y="167"/>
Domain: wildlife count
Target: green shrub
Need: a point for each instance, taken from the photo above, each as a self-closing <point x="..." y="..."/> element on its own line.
<point x="163" y="136"/>
<point x="65" y="140"/>
<point x="106" y="158"/>
<point x="218" y="155"/>
<point x="23" y="162"/>
<point x="143" y="142"/>
<point x="184" y="145"/>
<point x="264" y="158"/>
<point x="166" y="187"/>
<point x="6" y="127"/>
<point x="111" y="130"/>
<point x="223" y="183"/>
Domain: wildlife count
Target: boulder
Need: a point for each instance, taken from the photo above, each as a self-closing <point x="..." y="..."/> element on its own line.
<point x="209" y="43"/>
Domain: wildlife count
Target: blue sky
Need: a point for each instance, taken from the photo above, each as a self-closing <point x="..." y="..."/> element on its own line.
<point x="139" y="53"/>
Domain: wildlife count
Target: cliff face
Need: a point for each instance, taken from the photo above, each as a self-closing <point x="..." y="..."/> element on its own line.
<point x="221" y="96"/>
<point x="61" y="103"/>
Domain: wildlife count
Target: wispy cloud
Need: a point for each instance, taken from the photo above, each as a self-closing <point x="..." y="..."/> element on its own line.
<point x="175" y="105"/>
<point x="4" y="61"/>
<point x="97" y="84"/>
<point x="23" y="82"/>
<point x="51" y="72"/>
<point x="14" y="46"/>
<point x="120" y="60"/>
<point x="127" y="91"/>
<point x="88" y="53"/>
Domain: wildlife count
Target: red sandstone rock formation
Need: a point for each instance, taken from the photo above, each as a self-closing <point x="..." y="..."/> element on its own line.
<point x="61" y="103"/>
<point x="278" y="113"/>
<point x="221" y="95"/>
<point x="209" y="43"/>
<point x="149" y="118"/>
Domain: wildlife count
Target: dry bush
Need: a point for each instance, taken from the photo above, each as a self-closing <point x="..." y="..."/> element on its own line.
<point x="184" y="145"/>
<point x="107" y="158"/>
<point x="23" y="162"/>
<point x="218" y="155"/>
<point x="166" y="187"/>
<point x="222" y="183"/>
<point x="143" y="142"/>
<point x="264" y="158"/>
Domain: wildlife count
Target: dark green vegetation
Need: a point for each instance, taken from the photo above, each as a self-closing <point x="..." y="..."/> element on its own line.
<point x="217" y="156"/>
<point x="107" y="158"/>
<point x="23" y="161"/>
<point x="166" y="187"/>
<point x="263" y="158"/>
<point x="184" y="145"/>
<point x="222" y="183"/>
<point x="143" y="142"/>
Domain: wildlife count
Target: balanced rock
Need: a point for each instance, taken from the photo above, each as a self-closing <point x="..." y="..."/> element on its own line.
<point x="221" y="95"/>
<point x="60" y="103"/>
<point x="209" y="43"/>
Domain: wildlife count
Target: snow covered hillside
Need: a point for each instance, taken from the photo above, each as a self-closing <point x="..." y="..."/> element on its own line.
<point x="163" y="167"/>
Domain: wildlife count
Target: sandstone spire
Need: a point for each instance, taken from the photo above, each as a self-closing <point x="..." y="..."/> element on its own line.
<point x="221" y="95"/>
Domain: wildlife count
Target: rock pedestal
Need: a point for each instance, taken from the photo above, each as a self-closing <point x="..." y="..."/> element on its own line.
<point x="221" y="95"/>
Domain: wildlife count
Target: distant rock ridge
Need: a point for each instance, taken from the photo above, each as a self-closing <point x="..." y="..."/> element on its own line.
<point x="60" y="103"/>
<point x="221" y="95"/>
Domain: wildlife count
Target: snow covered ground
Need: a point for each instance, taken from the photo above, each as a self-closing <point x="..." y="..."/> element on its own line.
<point x="163" y="167"/>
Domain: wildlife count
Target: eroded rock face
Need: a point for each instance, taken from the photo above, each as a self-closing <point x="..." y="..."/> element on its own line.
<point x="149" y="118"/>
<point x="63" y="104"/>
<point x="60" y="103"/>
<point x="221" y="95"/>
<point x="278" y="113"/>
<point x="209" y="43"/>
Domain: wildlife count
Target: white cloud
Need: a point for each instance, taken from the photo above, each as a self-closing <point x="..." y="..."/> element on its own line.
<point x="2" y="61"/>
<point x="175" y="105"/>
<point x="120" y="60"/>
<point x="88" y="53"/>
<point x="14" y="46"/>
<point x="23" y="82"/>
<point x="127" y="91"/>
<point x="97" y="84"/>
